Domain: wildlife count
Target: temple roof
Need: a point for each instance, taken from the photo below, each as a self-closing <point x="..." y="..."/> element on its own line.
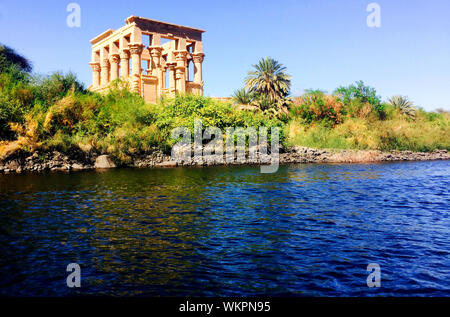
<point x="149" y="25"/>
<point x="102" y="36"/>
<point x="134" y="18"/>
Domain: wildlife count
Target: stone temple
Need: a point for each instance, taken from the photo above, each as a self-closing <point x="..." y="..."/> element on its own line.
<point x="156" y="58"/>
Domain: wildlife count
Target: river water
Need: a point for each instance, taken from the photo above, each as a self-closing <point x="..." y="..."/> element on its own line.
<point x="308" y="230"/>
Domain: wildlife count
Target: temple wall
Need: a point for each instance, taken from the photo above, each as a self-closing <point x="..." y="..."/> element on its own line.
<point x="150" y="89"/>
<point x="194" y="88"/>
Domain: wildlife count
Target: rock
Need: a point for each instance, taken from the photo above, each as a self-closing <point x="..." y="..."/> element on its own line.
<point x="13" y="165"/>
<point x="103" y="162"/>
<point x="167" y="164"/>
<point x="76" y="166"/>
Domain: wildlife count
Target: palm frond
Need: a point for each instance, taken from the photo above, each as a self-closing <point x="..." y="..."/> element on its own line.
<point x="243" y="97"/>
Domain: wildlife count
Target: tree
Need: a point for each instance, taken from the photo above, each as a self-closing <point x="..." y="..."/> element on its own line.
<point x="269" y="79"/>
<point x="359" y="91"/>
<point x="10" y="58"/>
<point x="404" y="105"/>
<point x="243" y="97"/>
<point x="357" y="95"/>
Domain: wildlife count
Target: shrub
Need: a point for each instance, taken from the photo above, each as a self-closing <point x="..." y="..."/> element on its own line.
<point x="16" y="98"/>
<point x="315" y="106"/>
<point x="184" y="109"/>
<point x="398" y="133"/>
<point x="49" y="89"/>
<point x="360" y="100"/>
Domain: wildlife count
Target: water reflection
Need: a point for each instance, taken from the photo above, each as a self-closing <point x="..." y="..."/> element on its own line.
<point x="229" y="231"/>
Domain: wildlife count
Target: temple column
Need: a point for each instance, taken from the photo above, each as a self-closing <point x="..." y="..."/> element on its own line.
<point x="125" y="63"/>
<point x="172" y="87"/>
<point x="114" y="61"/>
<point x="180" y="75"/>
<point x="198" y="60"/>
<point x="105" y="72"/>
<point x="135" y="52"/>
<point x="164" y="84"/>
<point x="95" y="74"/>
<point x="155" y="53"/>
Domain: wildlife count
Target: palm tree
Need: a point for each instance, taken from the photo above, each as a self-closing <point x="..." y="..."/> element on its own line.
<point x="269" y="79"/>
<point x="243" y="97"/>
<point x="404" y="105"/>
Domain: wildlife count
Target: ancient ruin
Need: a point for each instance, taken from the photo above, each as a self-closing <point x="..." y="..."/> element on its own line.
<point x="163" y="57"/>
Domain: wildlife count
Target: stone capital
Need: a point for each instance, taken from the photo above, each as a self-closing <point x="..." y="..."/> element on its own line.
<point x="181" y="55"/>
<point x="198" y="57"/>
<point x="115" y="58"/>
<point x="155" y="51"/>
<point x="95" y="66"/>
<point x="125" y="54"/>
<point x="136" y="49"/>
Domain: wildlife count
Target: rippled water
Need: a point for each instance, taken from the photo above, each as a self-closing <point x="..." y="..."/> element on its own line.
<point x="228" y="231"/>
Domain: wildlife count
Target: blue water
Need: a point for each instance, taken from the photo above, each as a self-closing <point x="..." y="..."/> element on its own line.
<point x="308" y="230"/>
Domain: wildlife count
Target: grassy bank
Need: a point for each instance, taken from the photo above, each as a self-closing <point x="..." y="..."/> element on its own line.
<point x="57" y="113"/>
<point x="330" y="121"/>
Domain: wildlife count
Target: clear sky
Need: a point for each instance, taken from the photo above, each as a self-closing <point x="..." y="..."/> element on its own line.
<point x="323" y="43"/>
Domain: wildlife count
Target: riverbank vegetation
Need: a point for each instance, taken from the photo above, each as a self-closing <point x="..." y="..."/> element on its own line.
<point x="355" y="117"/>
<point x="57" y="112"/>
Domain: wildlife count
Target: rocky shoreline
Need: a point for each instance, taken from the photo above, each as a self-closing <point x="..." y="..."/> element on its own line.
<point x="56" y="161"/>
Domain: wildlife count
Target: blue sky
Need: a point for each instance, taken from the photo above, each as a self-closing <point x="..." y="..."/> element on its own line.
<point x="323" y="43"/>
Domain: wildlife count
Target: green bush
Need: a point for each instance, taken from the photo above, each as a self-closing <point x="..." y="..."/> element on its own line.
<point x="357" y="95"/>
<point x="15" y="100"/>
<point x="316" y="106"/>
<point x="184" y="109"/>
<point x="49" y="89"/>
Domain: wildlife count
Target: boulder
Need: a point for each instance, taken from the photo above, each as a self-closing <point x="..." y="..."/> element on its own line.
<point x="77" y="166"/>
<point x="104" y="161"/>
<point x="13" y="165"/>
<point x="167" y="164"/>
